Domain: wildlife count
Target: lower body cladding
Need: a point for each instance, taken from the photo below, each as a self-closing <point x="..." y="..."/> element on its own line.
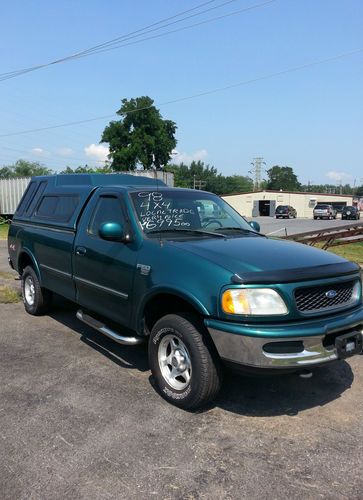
<point x="271" y="350"/>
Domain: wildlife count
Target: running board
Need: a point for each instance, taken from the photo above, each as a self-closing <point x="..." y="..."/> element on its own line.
<point x="100" y="327"/>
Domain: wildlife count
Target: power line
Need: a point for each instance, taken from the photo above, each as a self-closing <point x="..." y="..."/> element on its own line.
<point x="200" y="23"/>
<point x="194" y="96"/>
<point x="117" y="42"/>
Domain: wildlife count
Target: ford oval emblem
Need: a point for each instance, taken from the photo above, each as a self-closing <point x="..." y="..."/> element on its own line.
<point x="331" y="294"/>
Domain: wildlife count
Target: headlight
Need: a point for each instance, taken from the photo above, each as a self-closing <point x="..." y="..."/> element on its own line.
<point x="253" y="301"/>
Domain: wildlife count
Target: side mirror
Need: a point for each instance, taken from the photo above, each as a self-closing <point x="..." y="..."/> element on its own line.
<point x="112" y="231"/>
<point x="255" y="225"/>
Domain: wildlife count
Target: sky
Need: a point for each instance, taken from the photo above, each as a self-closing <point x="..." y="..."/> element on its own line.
<point x="310" y="119"/>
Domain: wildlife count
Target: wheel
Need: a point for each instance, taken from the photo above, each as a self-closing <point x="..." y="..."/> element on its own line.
<point x="212" y="221"/>
<point x="183" y="361"/>
<point x="36" y="299"/>
<point x="315" y="218"/>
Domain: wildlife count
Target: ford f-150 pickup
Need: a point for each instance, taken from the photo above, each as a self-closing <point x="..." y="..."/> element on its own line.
<point x="181" y="269"/>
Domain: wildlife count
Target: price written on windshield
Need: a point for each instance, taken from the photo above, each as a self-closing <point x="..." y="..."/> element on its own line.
<point x="157" y="213"/>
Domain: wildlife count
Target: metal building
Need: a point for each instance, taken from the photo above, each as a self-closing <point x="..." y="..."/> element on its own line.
<point x="11" y="190"/>
<point x="264" y="203"/>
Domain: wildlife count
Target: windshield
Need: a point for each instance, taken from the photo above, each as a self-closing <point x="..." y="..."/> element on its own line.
<point x="322" y="207"/>
<point x="174" y="209"/>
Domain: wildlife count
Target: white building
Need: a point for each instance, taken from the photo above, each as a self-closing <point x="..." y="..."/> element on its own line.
<point x="264" y="203"/>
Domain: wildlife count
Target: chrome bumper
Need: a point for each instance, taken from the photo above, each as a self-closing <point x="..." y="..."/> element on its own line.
<point x="249" y="351"/>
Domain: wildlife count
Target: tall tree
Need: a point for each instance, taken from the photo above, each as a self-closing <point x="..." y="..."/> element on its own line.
<point x="282" y="178"/>
<point x="141" y="137"/>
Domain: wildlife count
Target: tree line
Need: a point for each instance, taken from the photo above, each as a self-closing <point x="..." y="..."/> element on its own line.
<point x="142" y="139"/>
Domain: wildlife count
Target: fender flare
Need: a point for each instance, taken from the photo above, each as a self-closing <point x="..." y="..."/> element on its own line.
<point x="162" y="290"/>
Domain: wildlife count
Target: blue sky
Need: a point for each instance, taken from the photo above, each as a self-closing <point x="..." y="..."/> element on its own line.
<point x="310" y="119"/>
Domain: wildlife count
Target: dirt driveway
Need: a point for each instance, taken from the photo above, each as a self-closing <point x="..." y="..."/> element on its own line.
<point x="79" y="418"/>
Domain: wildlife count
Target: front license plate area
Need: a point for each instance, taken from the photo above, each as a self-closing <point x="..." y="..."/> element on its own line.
<point x="348" y="344"/>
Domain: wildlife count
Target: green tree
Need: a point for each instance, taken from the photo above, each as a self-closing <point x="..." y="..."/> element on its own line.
<point x="141" y="137"/>
<point x="24" y="168"/>
<point x="197" y="172"/>
<point x="87" y="170"/>
<point x="282" y="178"/>
<point x="6" y="173"/>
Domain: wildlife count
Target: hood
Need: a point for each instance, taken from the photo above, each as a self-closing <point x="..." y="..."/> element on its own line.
<point x="268" y="259"/>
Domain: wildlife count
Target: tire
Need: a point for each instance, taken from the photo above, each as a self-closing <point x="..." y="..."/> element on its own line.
<point x="315" y="218"/>
<point x="36" y="299"/>
<point x="179" y="339"/>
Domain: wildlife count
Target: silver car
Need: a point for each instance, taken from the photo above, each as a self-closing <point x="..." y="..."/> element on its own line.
<point x="322" y="211"/>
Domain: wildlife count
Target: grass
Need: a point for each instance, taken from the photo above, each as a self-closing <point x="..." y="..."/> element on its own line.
<point x="353" y="252"/>
<point x="7" y="276"/>
<point x="4" y="231"/>
<point x="8" y="295"/>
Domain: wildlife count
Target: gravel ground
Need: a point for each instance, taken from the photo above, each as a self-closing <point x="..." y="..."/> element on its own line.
<point x="79" y="418"/>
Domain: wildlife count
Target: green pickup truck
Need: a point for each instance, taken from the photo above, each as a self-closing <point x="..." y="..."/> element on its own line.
<point x="183" y="270"/>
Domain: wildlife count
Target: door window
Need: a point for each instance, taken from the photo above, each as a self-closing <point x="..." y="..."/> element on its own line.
<point x="108" y="209"/>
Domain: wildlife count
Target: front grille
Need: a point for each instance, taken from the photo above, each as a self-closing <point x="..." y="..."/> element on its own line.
<point x="318" y="298"/>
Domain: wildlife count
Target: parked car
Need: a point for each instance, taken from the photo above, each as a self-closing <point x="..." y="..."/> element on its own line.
<point x="285" y="211"/>
<point x="350" y="213"/>
<point x="322" y="211"/>
<point x="181" y="269"/>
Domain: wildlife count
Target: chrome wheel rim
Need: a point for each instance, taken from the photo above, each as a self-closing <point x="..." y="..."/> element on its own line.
<point x="174" y="362"/>
<point x="29" y="291"/>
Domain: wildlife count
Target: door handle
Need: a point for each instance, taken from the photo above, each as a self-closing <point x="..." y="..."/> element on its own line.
<point x="81" y="251"/>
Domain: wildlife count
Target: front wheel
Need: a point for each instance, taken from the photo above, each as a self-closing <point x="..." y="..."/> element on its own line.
<point x="36" y="299"/>
<point x="183" y="362"/>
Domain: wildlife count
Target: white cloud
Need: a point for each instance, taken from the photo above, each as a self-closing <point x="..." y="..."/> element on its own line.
<point x="64" y="151"/>
<point x="335" y="176"/>
<point x="97" y="152"/>
<point x="38" y="151"/>
<point x="179" y="157"/>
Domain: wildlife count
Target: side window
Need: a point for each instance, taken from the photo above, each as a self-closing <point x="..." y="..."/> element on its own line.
<point x="57" y="208"/>
<point x="27" y="196"/>
<point x="108" y="209"/>
<point x="30" y="208"/>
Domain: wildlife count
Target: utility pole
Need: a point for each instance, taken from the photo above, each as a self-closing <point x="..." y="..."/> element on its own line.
<point x="198" y="184"/>
<point x="257" y="171"/>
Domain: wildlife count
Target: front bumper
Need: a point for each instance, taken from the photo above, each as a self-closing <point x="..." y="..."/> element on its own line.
<point x="257" y="346"/>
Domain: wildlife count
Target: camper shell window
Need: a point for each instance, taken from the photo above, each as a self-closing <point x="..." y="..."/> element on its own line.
<point x="58" y="208"/>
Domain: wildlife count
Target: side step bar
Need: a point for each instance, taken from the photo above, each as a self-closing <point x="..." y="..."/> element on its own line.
<point x="100" y="327"/>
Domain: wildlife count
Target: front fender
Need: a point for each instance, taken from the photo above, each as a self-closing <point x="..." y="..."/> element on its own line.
<point x="165" y="290"/>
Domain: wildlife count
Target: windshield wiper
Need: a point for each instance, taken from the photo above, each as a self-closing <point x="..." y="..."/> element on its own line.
<point x="184" y="230"/>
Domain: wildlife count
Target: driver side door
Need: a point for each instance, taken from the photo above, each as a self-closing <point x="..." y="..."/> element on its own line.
<point x="104" y="270"/>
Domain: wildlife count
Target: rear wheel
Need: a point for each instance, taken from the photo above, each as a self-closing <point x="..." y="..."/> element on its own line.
<point x="36" y="299"/>
<point x="183" y="362"/>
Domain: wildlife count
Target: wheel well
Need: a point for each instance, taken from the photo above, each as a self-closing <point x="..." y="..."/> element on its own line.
<point x="24" y="260"/>
<point x="164" y="304"/>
